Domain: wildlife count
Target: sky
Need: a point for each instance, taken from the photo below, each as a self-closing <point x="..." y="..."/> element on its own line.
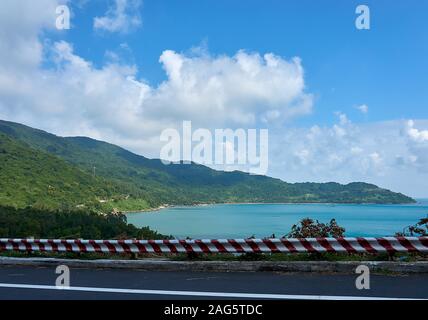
<point x="341" y="104"/>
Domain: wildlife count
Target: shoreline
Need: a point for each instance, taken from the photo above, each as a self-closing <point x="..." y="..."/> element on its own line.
<point x="146" y="210"/>
<point x="163" y="207"/>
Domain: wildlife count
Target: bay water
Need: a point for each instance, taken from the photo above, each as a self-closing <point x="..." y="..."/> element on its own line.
<point x="262" y="220"/>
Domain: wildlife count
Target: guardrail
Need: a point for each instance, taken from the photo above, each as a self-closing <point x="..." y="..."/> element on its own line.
<point x="307" y="245"/>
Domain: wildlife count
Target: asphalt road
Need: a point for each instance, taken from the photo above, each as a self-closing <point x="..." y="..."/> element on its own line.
<point x="39" y="283"/>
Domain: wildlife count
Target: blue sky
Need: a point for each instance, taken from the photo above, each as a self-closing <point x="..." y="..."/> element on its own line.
<point x="340" y="104"/>
<point x="384" y="67"/>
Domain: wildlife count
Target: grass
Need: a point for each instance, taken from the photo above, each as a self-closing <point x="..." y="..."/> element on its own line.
<point x="403" y="257"/>
<point x="275" y="257"/>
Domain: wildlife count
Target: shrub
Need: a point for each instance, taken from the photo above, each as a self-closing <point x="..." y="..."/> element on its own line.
<point x="308" y="228"/>
<point x="420" y="229"/>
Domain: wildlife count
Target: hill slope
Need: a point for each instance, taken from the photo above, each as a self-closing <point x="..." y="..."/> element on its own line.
<point x="32" y="177"/>
<point x="155" y="183"/>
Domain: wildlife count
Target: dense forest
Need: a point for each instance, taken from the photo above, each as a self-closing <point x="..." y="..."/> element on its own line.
<point x="62" y="224"/>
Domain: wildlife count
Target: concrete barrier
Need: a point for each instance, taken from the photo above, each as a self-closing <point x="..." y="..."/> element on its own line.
<point x="225" y="266"/>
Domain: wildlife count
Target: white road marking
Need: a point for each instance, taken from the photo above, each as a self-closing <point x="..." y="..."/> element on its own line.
<point x="197" y="293"/>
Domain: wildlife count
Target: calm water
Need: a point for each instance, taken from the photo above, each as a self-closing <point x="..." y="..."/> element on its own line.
<point x="261" y="220"/>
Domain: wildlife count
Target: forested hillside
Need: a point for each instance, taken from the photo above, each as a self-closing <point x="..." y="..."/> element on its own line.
<point x="39" y="168"/>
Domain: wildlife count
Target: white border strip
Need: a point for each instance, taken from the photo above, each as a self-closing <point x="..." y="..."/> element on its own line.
<point x="196" y="293"/>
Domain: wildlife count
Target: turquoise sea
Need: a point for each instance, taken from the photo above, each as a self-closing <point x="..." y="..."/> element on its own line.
<point x="262" y="220"/>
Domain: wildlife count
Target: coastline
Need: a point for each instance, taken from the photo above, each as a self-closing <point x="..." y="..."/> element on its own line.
<point x="146" y="210"/>
<point x="167" y="206"/>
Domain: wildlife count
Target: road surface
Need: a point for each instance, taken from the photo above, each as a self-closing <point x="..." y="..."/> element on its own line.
<point x="39" y="283"/>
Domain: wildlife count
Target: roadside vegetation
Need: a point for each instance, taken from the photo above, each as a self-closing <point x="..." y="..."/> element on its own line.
<point x="63" y="224"/>
<point x="420" y="229"/>
<point x="401" y="257"/>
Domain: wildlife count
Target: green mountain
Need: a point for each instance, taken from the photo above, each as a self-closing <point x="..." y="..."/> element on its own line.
<point x="40" y="168"/>
<point x="32" y="177"/>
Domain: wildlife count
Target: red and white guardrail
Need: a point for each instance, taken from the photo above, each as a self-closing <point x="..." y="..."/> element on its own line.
<point x="307" y="245"/>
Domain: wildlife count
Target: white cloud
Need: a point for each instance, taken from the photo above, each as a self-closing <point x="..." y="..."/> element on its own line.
<point x="415" y="134"/>
<point x="375" y="158"/>
<point x="343" y="118"/>
<point x="21" y="22"/>
<point x="363" y="108"/>
<point x="122" y="16"/>
<point x="233" y="91"/>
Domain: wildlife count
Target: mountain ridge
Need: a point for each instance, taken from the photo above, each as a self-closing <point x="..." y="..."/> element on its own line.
<point x="135" y="182"/>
